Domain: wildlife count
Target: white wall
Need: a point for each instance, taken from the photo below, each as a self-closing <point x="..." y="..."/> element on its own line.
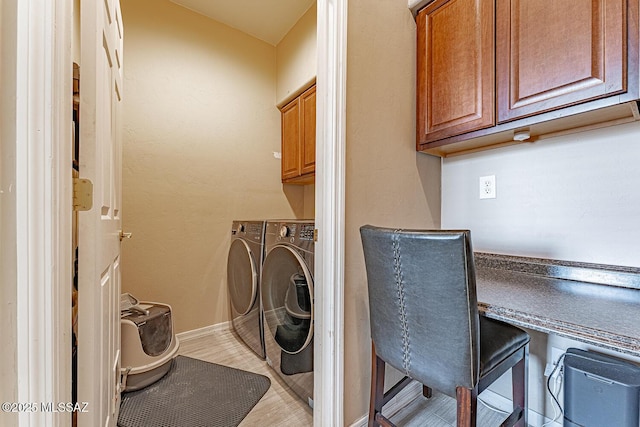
<point x="575" y="197"/>
<point x="76" y="32"/>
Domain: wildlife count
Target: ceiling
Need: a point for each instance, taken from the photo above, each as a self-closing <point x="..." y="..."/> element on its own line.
<point x="268" y="20"/>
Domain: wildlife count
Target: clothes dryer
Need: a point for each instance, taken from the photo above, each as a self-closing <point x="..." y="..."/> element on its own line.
<point x="244" y="265"/>
<point x="288" y="303"/>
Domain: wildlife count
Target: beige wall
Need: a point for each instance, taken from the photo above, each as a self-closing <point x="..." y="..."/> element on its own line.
<point x="296" y="69"/>
<point x="182" y="145"/>
<point x="309" y="201"/>
<point x="387" y="182"/>
<point x="297" y="57"/>
<point x="200" y="129"/>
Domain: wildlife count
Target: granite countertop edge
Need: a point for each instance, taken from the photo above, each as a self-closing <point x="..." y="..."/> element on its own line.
<point x="600" y="274"/>
<point x="572" y="272"/>
<point x="587" y="335"/>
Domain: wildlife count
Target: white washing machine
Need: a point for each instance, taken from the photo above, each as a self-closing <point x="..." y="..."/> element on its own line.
<point x="288" y="303"/>
<point x="244" y="265"/>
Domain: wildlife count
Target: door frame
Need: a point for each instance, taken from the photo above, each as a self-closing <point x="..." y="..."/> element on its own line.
<point x="330" y="212"/>
<point x="41" y="202"/>
<point x="43" y="226"/>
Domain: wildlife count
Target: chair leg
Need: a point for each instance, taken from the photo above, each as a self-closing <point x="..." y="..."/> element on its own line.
<point x="519" y="384"/>
<point x="426" y="391"/>
<point x="467" y="403"/>
<point x="377" y="387"/>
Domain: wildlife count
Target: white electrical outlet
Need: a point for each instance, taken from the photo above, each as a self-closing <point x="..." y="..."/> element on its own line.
<point x="556" y="353"/>
<point x="488" y="187"/>
<point x="548" y="369"/>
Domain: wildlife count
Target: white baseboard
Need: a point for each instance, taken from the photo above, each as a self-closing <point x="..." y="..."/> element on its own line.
<point x="204" y="331"/>
<point x="414" y="390"/>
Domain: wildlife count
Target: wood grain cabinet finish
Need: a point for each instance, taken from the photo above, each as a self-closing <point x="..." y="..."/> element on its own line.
<point x="487" y="69"/>
<point x="290" y="140"/>
<point x="455" y="68"/>
<point x="552" y="54"/>
<point x="299" y="139"/>
<point x="308" y="144"/>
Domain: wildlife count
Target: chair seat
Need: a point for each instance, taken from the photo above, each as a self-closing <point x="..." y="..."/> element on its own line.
<point x="498" y="340"/>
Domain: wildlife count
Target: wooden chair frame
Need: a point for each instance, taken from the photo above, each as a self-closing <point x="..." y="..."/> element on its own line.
<point x="466" y="399"/>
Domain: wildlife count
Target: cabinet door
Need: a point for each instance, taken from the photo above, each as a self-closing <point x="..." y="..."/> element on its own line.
<point x="308" y="155"/>
<point x="455" y="88"/>
<point x="552" y="54"/>
<point x="291" y="140"/>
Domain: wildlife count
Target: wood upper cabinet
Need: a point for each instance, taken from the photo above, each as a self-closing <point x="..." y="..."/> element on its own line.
<point x="308" y="144"/>
<point x="488" y="69"/>
<point x="556" y="53"/>
<point x="290" y="140"/>
<point x="299" y="139"/>
<point x="455" y="68"/>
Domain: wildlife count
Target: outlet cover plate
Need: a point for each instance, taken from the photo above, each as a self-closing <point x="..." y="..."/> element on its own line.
<point x="487" y="187"/>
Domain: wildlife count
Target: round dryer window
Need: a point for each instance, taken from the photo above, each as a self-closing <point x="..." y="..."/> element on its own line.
<point x="242" y="277"/>
<point x="287" y="299"/>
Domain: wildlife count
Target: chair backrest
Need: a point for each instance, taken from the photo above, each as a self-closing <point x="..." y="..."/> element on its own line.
<point x="423" y="305"/>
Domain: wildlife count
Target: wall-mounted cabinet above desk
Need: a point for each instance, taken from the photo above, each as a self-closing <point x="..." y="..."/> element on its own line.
<point x="487" y="70"/>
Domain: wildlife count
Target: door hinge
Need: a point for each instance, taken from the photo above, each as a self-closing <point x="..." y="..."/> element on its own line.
<point x="315" y="234"/>
<point x="82" y="194"/>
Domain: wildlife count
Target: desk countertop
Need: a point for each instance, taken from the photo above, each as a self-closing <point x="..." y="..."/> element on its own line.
<point x="592" y="303"/>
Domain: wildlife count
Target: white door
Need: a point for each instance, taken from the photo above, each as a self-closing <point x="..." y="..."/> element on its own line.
<point x="99" y="228"/>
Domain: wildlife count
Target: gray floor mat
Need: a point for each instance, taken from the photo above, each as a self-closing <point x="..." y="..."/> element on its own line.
<point x="194" y="393"/>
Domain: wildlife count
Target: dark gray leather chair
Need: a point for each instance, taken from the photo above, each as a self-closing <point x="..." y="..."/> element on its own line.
<point x="425" y="323"/>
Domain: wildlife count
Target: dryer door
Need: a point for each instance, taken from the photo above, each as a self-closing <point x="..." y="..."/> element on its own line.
<point x="242" y="277"/>
<point x="287" y="299"/>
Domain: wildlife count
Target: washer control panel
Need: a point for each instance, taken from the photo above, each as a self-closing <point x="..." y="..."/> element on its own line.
<point x="253" y="230"/>
<point x="306" y="232"/>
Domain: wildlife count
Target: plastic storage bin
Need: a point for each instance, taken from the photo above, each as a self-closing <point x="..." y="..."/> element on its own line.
<point x="600" y="391"/>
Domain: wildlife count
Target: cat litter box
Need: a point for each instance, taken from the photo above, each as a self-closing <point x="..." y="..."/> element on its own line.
<point x="148" y="342"/>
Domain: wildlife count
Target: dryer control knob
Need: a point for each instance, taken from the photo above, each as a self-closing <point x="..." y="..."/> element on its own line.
<point x="284" y="231"/>
<point x="240" y="228"/>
